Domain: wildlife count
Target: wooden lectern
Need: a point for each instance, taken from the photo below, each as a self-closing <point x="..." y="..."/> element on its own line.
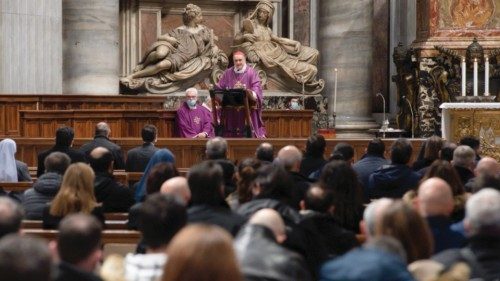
<point x="240" y="99"/>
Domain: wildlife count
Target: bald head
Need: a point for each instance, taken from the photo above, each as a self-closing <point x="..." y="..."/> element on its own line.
<point x="265" y="152"/>
<point x="101" y="159"/>
<point x="372" y="215"/>
<point x="290" y="156"/>
<point x="487" y="166"/>
<point x="435" y="198"/>
<point x="102" y="129"/>
<point x="177" y="186"/>
<point x="271" y="219"/>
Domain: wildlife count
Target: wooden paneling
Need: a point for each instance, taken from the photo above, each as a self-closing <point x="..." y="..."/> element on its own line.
<point x="129" y="122"/>
<point x="189" y="152"/>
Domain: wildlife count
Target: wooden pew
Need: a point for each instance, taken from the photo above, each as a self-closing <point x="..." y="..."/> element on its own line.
<point x="108" y="236"/>
<point x="116" y="216"/>
<point x="16" y="186"/>
<point x="109" y="224"/>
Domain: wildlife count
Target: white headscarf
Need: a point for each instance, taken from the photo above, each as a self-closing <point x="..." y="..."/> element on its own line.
<point x="8" y="170"/>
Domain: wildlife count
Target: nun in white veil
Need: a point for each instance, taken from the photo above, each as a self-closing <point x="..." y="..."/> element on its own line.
<point x="8" y="170"/>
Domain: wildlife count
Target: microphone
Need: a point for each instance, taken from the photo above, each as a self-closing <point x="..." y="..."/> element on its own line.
<point x="412" y="117"/>
<point x="385" y="122"/>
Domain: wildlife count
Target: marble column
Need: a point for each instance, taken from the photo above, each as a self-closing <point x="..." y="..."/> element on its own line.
<point x="345" y="42"/>
<point x="30" y="47"/>
<point x="91" y="47"/>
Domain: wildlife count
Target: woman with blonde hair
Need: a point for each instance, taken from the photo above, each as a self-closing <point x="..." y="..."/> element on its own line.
<point x="202" y="253"/>
<point x="402" y="222"/>
<point x="76" y="195"/>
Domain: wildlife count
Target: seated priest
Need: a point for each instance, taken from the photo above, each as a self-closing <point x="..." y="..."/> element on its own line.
<point x="242" y="75"/>
<point x="192" y="119"/>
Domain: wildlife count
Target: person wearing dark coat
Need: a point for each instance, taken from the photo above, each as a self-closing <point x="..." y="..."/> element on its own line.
<point x="272" y="191"/>
<point x="79" y="248"/>
<point x="260" y="254"/>
<point x="370" y="162"/>
<point x="314" y="158"/>
<point x="464" y="162"/>
<point x="138" y="157"/>
<point x="206" y="183"/>
<point x="435" y="204"/>
<point x="482" y="225"/>
<point x="290" y="157"/>
<point x="396" y="179"/>
<point x="64" y="142"/>
<point x="101" y="139"/>
<point x="47" y="185"/>
<point x="316" y="215"/>
<point x="216" y="150"/>
<point x="114" y="196"/>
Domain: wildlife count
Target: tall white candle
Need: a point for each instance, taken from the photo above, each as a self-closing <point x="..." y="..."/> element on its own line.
<point x="486" y="76"/>
<point x="335" y="92"/>
<point x="464" y="70"/>
<point x="475" y="77"/>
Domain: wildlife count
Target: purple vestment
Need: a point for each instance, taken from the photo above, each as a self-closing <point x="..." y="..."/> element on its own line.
<point x="235" y="118"/>
<point x="192" y="121"/>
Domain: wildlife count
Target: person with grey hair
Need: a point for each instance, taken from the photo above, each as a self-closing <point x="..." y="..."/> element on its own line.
<point x="291" y="157"/>
<point x="11" y="215"/>
<point x="464" y="162"/>
<point x="482" y="225"/>
<point x="216" y="150"/>
<point x="101" y="138"/>
<point x="47" y="185"/>
<point x="487" y="167"/>
<point x="262" y="237"/>
<point x="192" y="120"/>
<point x="372" y="214"/>
<point x="24" y="258"/>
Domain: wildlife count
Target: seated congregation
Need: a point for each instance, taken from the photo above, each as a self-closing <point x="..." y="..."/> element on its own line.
<point x="280" y="215"/>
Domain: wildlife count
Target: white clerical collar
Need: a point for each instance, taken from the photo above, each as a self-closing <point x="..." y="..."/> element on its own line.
<point x="242" y="70"/>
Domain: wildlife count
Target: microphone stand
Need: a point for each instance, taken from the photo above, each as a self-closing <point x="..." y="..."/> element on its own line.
<point x="412" y="116"/>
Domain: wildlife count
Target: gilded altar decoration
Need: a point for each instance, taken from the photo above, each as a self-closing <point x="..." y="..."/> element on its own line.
<point x="471" y="13"/>
<point x="290" y="65"/>
<point x="180" y="58"/>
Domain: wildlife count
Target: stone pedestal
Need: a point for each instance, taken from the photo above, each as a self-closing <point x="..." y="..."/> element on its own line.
<point x="91" y="47"/>
<point x="345" y="43"/>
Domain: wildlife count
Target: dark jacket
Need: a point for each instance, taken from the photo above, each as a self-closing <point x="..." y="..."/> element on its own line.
<point x="301" y="184"/>
<point x="464" y="173"/>
<point x="138" y="157"/>
<point x="228" y="170"/>
<point x="42" y="192"/>
<point x="366" y="264"/>
<point x="392" y="181"/>
<point x="366" y="166"/>
<point x="115" y="197"/>
<point x="52" y="222"/>
<point x="482" y="255"/>
<point x="23" y="173"/>
<point x="444" y="236"/>
<point x="311" y="164"/>
<point x="262" y="258"/>
<point x="300" y="239"/>
<point x="217" y="215"/>
<point x="334" y="239"/>
<point x="68" y="272"/>
<point x="74" y="155"/>
<point x="111" y="146"/>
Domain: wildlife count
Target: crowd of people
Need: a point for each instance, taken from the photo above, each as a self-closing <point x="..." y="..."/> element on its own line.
<point x="280" y="215"/>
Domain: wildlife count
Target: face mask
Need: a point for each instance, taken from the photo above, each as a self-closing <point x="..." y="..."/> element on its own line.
<point x="294" y="105"/>
<point x="191" y="103"/>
